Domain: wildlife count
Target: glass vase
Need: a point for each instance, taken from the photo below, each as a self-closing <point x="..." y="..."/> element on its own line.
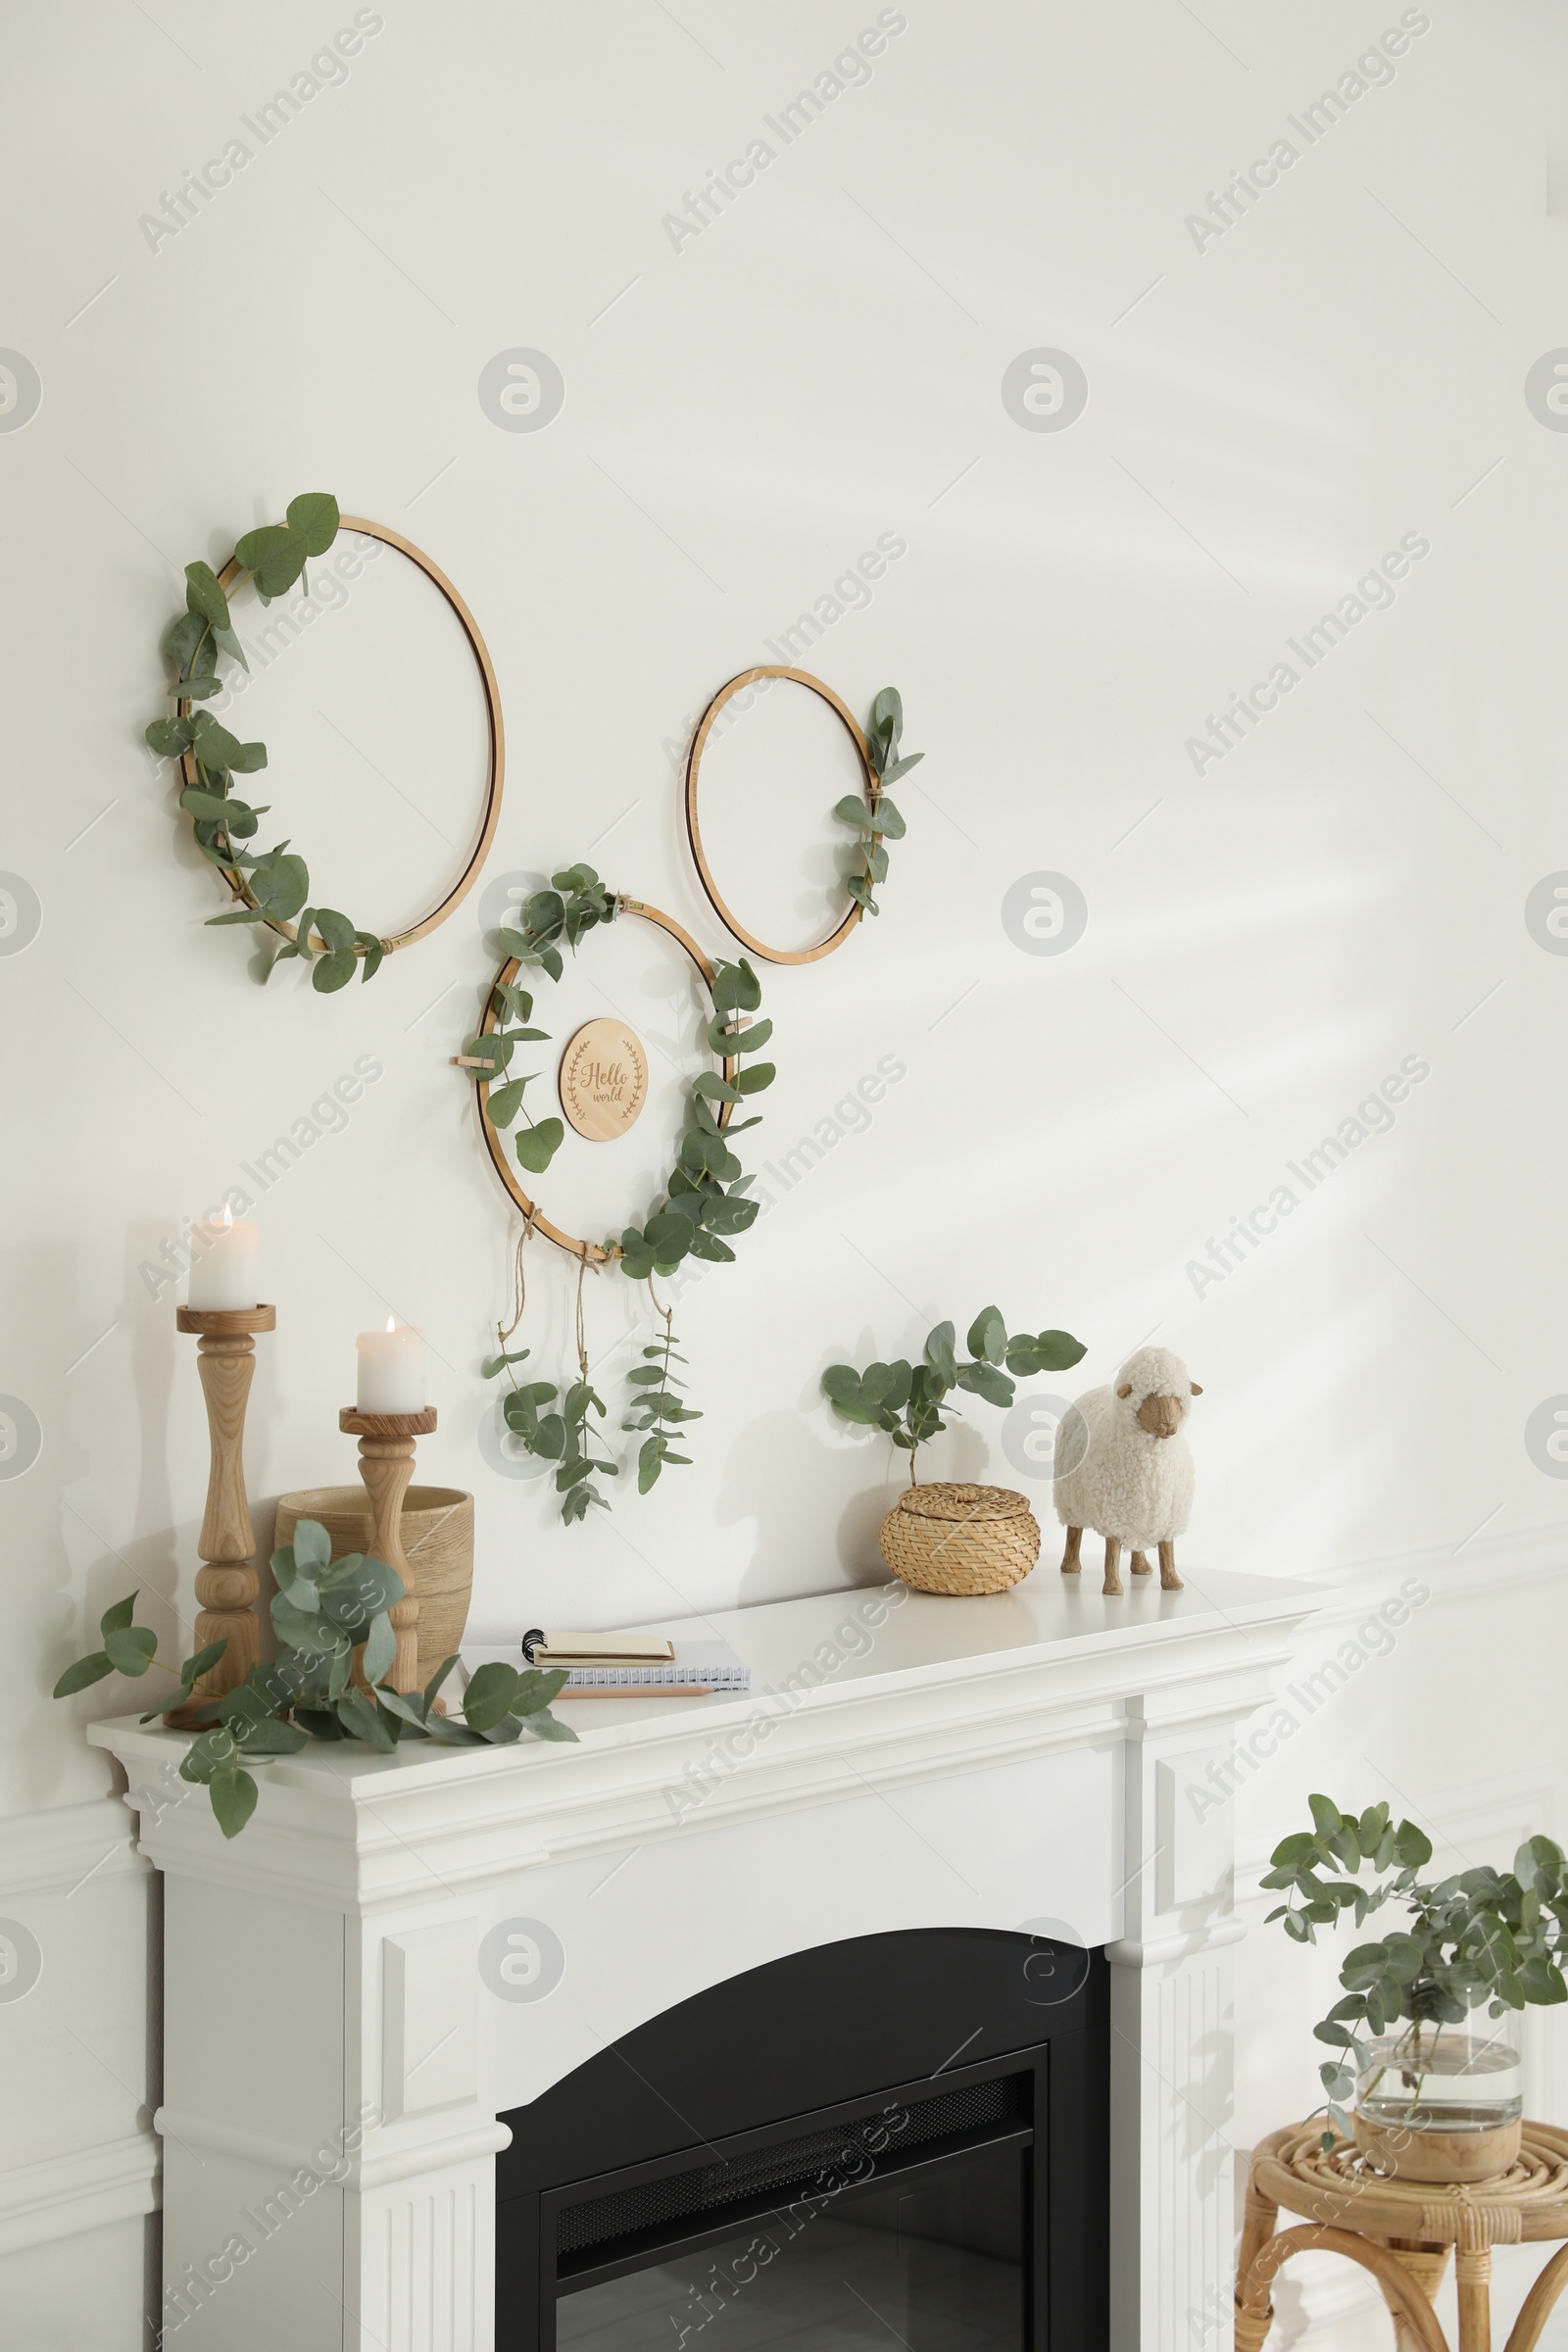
<point x="1440" y="2103"/>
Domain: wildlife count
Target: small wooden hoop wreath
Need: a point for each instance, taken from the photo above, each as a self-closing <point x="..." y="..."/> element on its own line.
<point x="492" y="708"/>
<point x="495" y="1143"/>
<point x="873" y="788"/>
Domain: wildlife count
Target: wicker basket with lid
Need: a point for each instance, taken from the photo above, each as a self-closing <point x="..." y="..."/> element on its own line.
<point x="961" y="1539"/>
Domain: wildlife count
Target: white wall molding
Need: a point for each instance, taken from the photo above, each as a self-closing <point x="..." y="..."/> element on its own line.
<point x="60" y="2196"/>
<point x="1497" y="1565"/>
<point x="63" y="1847"/>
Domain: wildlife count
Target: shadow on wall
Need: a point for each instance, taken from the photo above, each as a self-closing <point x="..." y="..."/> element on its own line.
<point x="771" y="1465"/>
<point x="777" y="1459"/>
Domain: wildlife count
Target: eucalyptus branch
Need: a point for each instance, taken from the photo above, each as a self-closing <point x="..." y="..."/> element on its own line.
<point x="908" y="1402"/>
<point x="275" y="889"/>
<point x="658" y="1403"/>
<point x="332" y="1618"/>
<point x="875" y="821"/>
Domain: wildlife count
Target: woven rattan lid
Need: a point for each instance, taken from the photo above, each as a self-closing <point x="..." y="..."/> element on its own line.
<point x="963" y="1503"/>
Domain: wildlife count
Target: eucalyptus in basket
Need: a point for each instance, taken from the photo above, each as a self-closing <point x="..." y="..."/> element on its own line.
<point x="1480" y="1938"/>
<point x="909" y="1400"/>
<point x="272" y="887"/>
<point x="326" y="1683"/>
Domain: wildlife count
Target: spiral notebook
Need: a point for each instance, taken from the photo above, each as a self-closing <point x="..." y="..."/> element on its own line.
<point x="696" y="1670"/>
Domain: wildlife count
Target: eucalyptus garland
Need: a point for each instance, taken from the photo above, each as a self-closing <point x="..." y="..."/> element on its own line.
<point x="704" y="1197"/>
<point x="273" y="887"/>
<point x="877" y="823"/>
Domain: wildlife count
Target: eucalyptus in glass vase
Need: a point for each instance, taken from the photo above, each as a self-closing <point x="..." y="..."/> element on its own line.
<point x="1433" y="2100"/>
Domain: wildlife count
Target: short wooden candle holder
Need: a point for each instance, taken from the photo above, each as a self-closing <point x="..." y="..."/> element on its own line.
<point x="227" y="1586"/>
<point x="386" y="1466"/>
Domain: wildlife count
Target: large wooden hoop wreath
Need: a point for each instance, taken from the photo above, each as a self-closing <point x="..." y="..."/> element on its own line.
<point x="495" y="1143"/>
<point x="497" y="759"/>
<point x="872" y="788"/>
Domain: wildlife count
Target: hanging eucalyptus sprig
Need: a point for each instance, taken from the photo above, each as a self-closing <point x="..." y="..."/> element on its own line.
<point x="657" y="1401"/>
<point x="878" y="822"/>
<point x="565" y="1435"/>
<point x="273" y="887"/>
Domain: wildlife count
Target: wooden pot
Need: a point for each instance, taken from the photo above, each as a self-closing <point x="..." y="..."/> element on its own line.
<point x="437" y="1529"/>
<point x="961" y="1539"/>
<point x="1399" y="2153"/>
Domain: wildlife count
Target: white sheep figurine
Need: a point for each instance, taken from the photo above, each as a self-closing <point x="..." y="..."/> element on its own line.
<point x="1124" y="1468"/>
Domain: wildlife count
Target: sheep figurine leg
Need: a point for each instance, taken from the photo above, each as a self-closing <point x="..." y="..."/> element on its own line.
<point x="1168" y="1577"/>
<point x="1114" y="1583"/>
<point x="1141" y="1564"/>
<point x="1071" y="1558"/>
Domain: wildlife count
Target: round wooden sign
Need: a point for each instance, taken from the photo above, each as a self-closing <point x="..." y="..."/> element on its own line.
<point x="604" y="1080"/>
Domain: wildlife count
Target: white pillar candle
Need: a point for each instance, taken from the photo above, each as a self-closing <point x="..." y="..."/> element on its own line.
<point x="391" y="1369"/>
<point x="223" y="1270"/>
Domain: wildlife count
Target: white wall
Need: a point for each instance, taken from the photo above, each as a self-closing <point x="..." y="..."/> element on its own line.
<point x="1269" y="411"/>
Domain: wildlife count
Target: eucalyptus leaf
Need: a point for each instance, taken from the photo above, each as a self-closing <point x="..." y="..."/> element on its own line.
<point x="536" y="1146"/>
<point x="380" y="1649"/>
<point x="169" y="737"/>
<point x="311" y="1546"/>
<point x="232" y="1793"/>
<point x="314" y="516"/>
<point x="504" y="1103"/>
<point x="183" y="637"/>
<point x="204" y="594"/>
<point x="490" y="1695"/>
<point x="83" y="1673"/>
<point x="130" y="1648"/>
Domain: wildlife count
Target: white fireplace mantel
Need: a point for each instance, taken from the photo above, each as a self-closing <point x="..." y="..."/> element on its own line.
<point x="398" y="1949"/>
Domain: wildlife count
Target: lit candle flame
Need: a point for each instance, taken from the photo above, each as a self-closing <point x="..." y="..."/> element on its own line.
<point x="229" y="1217"/>
<point x="390" y="1324"/>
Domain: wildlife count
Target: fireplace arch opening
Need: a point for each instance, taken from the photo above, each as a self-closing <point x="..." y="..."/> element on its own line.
<point x="898" y="2139"/>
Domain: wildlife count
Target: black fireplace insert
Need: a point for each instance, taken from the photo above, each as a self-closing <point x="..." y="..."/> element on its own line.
<point x="899" y="2140"/>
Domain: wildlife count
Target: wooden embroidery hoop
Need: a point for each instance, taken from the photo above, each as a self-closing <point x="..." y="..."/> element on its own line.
<point x="496" y="1142"/>
<point x="800" y="677"/>
<point x="492" y="708"/>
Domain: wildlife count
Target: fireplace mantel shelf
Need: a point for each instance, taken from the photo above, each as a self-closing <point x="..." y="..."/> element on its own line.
<point x="959" y="1682"/>
<point x="1047" y="1762"/>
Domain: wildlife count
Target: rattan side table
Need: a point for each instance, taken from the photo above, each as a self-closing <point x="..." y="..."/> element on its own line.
<point x="1402" y="2230"/>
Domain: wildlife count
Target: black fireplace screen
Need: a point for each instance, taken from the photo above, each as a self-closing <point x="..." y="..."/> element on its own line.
<point x="691" y="2189"/>
<point x="931" y="2264"/>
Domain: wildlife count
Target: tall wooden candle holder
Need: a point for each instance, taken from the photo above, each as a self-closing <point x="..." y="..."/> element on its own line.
<point x="386" y="1466"/>
<point x="227" y="1586"/>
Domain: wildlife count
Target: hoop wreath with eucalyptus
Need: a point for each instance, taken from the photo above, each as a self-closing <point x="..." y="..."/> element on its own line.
<point x="705" y="1195"/>
<point x="274" y="887"/>
<point x="874" y="820"/>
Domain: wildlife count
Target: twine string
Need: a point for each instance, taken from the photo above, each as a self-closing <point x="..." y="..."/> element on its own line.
<point x="520" y="1280"/>
<point x="582" y="1324"/>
